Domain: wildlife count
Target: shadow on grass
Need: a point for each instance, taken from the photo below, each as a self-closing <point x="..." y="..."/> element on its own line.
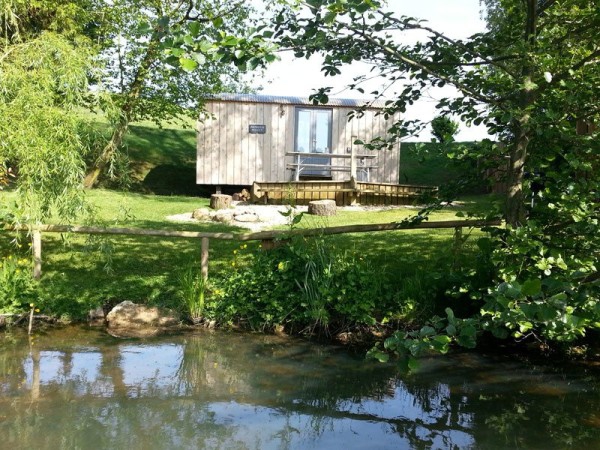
<point x="167" y="179"/>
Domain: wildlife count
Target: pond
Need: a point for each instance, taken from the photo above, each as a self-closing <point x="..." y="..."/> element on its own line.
<point x="76" y="387"/>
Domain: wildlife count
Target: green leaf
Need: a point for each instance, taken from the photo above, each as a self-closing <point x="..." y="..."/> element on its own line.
<point x="413" y="363"/>
<point x="524" y="327"/>
<point x="450" y="315"/>
<point x="199" y="58"/>
<point x="379" y="355"/>
<point x="144" y="28"/>
<point x="466" y="341"/>
<point x="426" y="331"/>
<point x="189" y="65"/>
<point x="194" y="28"/>
<point x="217" y="22"/>
<point x="230" y="41"/>
<point x="532" y="287"/>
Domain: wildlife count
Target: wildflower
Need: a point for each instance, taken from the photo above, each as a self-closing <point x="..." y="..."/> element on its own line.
<point x="31" y="305"/>
<point x="235" y="252"/>
<point x="245" y="246"/>
<point x="37" y="309"/>
<point x="281" y="266"/>
<point x="232" y="263"/>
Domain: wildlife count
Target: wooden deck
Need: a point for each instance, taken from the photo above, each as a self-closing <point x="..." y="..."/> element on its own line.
<point x="343" y="192"/>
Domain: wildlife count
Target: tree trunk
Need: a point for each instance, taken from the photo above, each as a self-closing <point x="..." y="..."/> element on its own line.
<point x="220" y="201"/>
<point x="131" y="100"/>
<point x="515" y="202"/>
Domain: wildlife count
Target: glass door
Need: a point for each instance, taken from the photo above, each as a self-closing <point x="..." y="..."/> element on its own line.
<point x="313" y="135"/>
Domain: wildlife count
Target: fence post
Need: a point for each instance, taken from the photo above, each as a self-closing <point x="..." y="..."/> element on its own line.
<point x="204" y="258"/>
<point x="352" y="160"/>
<point x="37" y="254"/>
<point x="457" y="247"/>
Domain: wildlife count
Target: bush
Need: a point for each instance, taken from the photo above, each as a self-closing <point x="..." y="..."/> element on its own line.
<point x="17" y="287"/>
<point x="303" y="286"/>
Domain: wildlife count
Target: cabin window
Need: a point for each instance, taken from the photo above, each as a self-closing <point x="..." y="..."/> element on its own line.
<point x="313" y="135"/>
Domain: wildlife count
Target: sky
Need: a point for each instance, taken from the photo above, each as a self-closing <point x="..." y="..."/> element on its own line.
<point x="301" y="77"/>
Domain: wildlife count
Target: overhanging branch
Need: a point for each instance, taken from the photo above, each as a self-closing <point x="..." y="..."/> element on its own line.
<point x="421" y="66"/>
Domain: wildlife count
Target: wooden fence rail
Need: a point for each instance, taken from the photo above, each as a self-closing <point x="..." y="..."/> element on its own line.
<point x="267" y="237"/>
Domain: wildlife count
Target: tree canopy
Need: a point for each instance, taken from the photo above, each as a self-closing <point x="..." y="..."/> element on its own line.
<point x="529" y="78"/>
<point x="44" y="68"/>
<point x="163" y="58"/>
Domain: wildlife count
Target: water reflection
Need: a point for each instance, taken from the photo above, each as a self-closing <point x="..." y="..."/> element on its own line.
<point x="77" y="388"/>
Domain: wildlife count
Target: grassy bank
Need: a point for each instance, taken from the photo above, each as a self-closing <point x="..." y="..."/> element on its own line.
<point x="82" y="273"/>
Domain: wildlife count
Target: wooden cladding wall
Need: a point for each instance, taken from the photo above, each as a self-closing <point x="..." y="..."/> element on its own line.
<point x="228" y="154"/>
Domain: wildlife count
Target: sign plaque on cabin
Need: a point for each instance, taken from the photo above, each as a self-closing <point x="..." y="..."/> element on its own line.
<point x="257" y="129"/>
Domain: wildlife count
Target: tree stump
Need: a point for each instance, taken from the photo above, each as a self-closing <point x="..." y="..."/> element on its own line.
<point x="220" y="201"/>
<point x="322" y="207"/>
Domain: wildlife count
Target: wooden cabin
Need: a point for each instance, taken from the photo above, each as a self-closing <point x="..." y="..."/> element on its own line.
<point x="244" y="139"/>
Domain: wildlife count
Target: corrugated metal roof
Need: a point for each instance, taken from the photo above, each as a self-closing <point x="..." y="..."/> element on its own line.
<point x="290" y="100"/>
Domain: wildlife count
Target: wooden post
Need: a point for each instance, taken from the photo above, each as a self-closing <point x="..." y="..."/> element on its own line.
<point x="204" y="258"/>
<point x="353" y="161"/>
<point x="297" y="167"/>
<point x="37" y="254"/>
<point x="457" y="247"/>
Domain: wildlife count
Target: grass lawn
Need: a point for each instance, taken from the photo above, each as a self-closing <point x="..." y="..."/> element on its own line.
<point x="81" y="273"/>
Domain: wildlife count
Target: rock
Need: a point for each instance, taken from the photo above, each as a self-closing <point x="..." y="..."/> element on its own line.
<point x="128" y="319"/>
<point x="222" y="216"/>
<point x="96" y="316"/>
<point x="220" y="201"/>
<point x="247" y="217"/>
<point x="322" y="207"/>
<point x="201" y="214"/>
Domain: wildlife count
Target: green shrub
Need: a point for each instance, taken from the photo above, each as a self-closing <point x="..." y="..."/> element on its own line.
<point x="302" y="285"/>
<point x="17" y="287"/>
